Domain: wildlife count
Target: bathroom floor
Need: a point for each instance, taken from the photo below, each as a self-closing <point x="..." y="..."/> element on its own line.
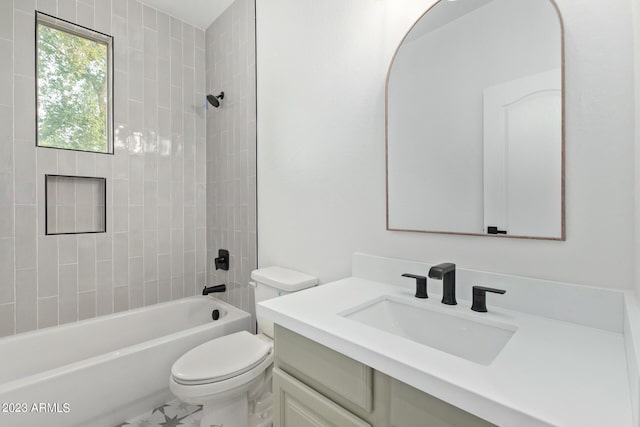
<point x="172" y="414"/>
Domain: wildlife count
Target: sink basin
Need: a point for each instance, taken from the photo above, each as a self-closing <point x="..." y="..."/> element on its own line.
<point x="468" y="337"/>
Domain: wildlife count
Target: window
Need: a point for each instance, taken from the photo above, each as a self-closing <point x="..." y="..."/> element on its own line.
<point x="74" y="86"/>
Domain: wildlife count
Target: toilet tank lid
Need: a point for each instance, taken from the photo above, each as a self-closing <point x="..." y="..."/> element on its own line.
<point x="283" y="279"/>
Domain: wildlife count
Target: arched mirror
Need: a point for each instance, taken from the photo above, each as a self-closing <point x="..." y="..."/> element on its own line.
<point x="475" y="121"/>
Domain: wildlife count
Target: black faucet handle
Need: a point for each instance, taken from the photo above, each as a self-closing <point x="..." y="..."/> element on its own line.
<point x="421" y="285"/>
<point x="222" y="261"/>
<point x="480" y="297"/>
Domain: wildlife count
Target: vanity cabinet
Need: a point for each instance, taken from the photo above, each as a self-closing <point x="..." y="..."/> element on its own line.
<point x="298" y="405"/>
<point x="316" y="386"/>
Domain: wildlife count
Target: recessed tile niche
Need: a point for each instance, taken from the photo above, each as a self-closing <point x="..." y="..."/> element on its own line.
<point x="75" y="204"/>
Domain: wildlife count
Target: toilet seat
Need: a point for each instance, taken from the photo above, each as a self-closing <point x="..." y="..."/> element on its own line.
<point x="221" y="359"/>
<point x="198" y="394"/>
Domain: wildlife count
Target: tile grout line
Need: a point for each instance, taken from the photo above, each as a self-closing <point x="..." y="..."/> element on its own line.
<point x="13" y="172"/>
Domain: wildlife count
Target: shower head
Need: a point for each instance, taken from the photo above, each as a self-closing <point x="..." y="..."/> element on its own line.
<point x="215" y="100"/>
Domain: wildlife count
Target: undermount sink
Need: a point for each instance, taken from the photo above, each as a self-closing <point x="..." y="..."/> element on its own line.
<point x="477" y="340"/>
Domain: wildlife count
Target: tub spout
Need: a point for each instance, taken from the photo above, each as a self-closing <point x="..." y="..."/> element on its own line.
<point x="214" y="289"/>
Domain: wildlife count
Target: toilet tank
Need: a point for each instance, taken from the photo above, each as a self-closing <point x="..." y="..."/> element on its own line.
<point x="272" y="282"/>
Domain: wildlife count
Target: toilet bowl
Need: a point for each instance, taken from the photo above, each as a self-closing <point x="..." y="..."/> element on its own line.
<point x="230" y="376"/>
<point x="221" y="375"/>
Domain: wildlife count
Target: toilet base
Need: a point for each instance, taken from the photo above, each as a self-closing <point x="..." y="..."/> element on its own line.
<point x="250" y="409"/>
<point x="230" y="413"/>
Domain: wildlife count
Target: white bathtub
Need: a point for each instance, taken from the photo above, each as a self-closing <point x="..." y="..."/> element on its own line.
<point x="102" y="371"/>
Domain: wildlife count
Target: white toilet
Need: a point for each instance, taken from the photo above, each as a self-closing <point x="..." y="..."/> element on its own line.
<point x="231" y="375"/>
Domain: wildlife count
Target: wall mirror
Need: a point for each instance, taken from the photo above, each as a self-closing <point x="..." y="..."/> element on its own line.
<point x="475" y="121"/>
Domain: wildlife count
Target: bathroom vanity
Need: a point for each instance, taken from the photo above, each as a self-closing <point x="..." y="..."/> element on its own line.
<point x="363" y="351"/>
<point x="314" y="385"/>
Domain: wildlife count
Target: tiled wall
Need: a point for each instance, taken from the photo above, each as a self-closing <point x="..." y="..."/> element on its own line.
<point x="231" y="150"/>
<point x="155" y="249"/>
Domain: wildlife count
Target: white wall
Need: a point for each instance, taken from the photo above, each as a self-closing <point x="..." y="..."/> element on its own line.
<point x="321" y="175"/>
<point x="636" y="26"/>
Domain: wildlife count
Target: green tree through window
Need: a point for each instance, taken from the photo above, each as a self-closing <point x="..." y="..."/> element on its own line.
<point x="73" y="91"/>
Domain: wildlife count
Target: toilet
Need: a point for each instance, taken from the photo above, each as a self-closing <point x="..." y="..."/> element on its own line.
<point x="230" y="376"/>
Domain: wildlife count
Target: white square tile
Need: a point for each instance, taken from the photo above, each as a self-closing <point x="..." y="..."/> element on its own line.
<point x="7" y="271"/>
<point x="149" y="17"/>
<point x="104" y="274"/>
<point x="86" y="262"/>
<point x="86" y="305"/>
<point x="103" y="16"/>
<point x="26" y="300"/>
<point x="47" y="312"/>
<point x="176" y="62"/>
<point x="136" y="282"/>
<point x="47" y="266"/>
<point x="68" y="249"/>
<point x="68" y="308"/>
<point x="85" y="14"/>
<point x="136" y="296"/>
<point x="7" y="319"/>
<point x="177" y="290"/>
<point x="150" y="293"/>
<point x="104" y="247"/>
<point x="86" y="163"/>
<point x="164" y="241"/>
<point x="6" y="20"/>
<point x="68" y="279"/>
<point x="24" y="30"/>
<point x="136" y="75"/>
<point x="120" y="298"/>
<point x="26" y="247"/>
<point x="188" y="45"/>
<point x="25" y="172"/>
<point x="6" y="73"/>
<point x="6" y="205"/>
<point x="150" y="256"/>
<point x="136" y="180"/>
<point x="121" y="163"/>
<point x="48" y="6"/>
<point x="67" y="10"/>
<point x="119" y="8"/>
<point x="176" y="28"/>
<point x="121" y="259"/>
<point x="66" y="162"/>
<point x="134" y="24"/>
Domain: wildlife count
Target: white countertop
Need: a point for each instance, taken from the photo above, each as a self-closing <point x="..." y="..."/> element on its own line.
<point x="551" y="372"/>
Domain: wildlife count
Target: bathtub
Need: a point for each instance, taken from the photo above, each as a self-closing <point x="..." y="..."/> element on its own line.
<point x="103" y="371"/>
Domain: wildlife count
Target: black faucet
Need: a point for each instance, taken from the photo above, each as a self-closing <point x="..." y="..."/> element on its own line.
<point x="421" y="285"/>
<point x="213" y="289"/>
<point x="447" y="273"/>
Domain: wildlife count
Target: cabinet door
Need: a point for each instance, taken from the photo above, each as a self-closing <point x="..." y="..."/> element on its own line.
<point x="331" y="373"/>
<point x="296" y="405"/>
<point x="411" y="407"/>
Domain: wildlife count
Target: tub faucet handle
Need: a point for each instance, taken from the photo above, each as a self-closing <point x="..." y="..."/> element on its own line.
<point x="222" y="261"/>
